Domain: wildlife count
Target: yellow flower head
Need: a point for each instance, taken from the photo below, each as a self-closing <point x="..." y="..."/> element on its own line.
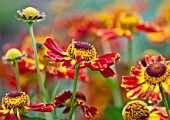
<point x="87" y="51"/>
<point x="135" y="110"/>
<point x="30" y="11"/>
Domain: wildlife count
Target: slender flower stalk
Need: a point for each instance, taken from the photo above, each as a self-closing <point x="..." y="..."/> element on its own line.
<point x="74" y="91"/>
<point x="36" y="62"/>
<point x="17" y="75"/>
<point x="40" y="80"/>
<point x="13" y="56"/>
<point x="165" y="101"/>
<point x="130" y="56"/>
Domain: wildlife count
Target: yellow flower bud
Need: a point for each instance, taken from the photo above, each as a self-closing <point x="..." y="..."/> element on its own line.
<point x="30" y="11"/>
<point x="13" y="53"/>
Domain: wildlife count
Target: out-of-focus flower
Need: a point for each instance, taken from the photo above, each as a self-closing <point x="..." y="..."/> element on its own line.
<point x="30" y="15"/>
<point x="16" y="103"/>
<point x="127" y="23"/>
<point x="82" y="53"/>
<point x="13" y="54"/>
<point x="139" y="110"/>
<point x="144" y="82"/>
<point x="64" y="100"/>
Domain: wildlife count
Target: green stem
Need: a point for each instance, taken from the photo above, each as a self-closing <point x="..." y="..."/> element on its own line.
<point x="165" y="101"/>
<point x="74" y="91"/>
<point x="130" y="56"/>
<point x="36" y="62"/>
<point x="40" y="80"/>
<point x="17" y="75"/>
<point x="46" y="77"/>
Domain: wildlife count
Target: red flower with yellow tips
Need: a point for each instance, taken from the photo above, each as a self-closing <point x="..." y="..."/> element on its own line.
<point x="82" y="53"/>
<point x="16" y="103"/>
<point x="64" y="100"/>
<point x="126" y="24"/>
<point x="144" y="82"/>
<point x="54" y="69"/>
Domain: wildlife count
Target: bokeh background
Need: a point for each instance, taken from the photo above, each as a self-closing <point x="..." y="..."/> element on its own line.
<point x="99" y="91"/>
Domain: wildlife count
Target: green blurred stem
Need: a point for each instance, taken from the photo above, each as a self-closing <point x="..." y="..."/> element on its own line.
<point x="165" y="101"/>
<point x="17" y="75"/>
<point x="130" y="56"/>
<point x="40" y="80"/>
<point x="46" y="77"/>
<point x="72" y="107"/>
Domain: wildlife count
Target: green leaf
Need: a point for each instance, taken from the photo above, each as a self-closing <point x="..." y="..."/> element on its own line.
<point x="31" y="118"/>
<point x="113" y="113"/>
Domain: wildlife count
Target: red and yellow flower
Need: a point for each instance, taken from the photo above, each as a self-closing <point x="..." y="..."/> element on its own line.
<point x="16" y="103"/>
<point x="82" y="53"/>
<point x="139" y="110"/>
<point x="125" y="25"/>
<point x="145" y="82"/>
<point x="54" y="69"/>
<point x="64" y="100"/>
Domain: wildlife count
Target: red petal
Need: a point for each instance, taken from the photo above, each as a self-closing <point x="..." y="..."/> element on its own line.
<point x="10" y="117"/>
<point x="129" y="82"/>
<point x="108" y="72"/>
<point x="42" y="107"/>
<point x="149" y="27"/>
<point x="89" y="112"/>
<point x="66" y="110"/>
<point x="1" y="114"/>
<point x="107" y="34"/>
<point x="49" y="43"/>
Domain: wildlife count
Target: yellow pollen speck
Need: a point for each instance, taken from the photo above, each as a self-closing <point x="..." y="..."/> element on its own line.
<point x="13" y="53"/>
<point x="30" y="11"/>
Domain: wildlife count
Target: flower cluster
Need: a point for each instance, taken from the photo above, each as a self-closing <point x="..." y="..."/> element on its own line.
<point x="84" y="48"/>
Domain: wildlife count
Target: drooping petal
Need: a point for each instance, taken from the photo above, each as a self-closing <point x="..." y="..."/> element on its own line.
<point x="89" y="112"/>
<point x="60" y="100"/>
<point x="108" y="72"/>
<point x="66" y="110"/>
<point x="149" y="27"/>
<point x="41" y="107"/>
